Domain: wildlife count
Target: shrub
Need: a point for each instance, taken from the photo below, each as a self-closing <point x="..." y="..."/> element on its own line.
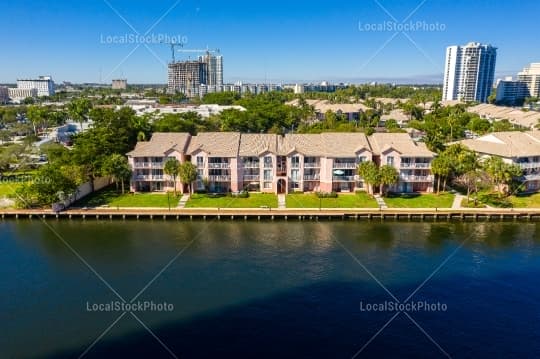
<point x="327" y="194"/>
<point x="242" y="194"/>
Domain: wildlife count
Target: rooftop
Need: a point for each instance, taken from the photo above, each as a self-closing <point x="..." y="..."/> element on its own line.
<point x="506" y="144"/>
<point x="161" y="143"/>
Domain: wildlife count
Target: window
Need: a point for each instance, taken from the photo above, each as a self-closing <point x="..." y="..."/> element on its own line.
<point x="267" y="185"/>
<point x="295" y="162"/>
<point x="267" y="175"/>
<point x="295" y="175"/>
<point x="268" y="161"/>
<point x="200" y="161"/>
<point x="390" y="160"/>
<point x="361" y="159"/>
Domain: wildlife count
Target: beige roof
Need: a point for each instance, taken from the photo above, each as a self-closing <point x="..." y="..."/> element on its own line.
<point x="254" y="144"/>
<point x="322" y="106"/>
<point x="506" y="144"/>
<point x="306" y="144"/>
<point x="160" y="143"/>
<point x="401" y="142"/>
<point x="515" y="115"/>
<point x="344" y="144"/>
<point x="218" y="144"/>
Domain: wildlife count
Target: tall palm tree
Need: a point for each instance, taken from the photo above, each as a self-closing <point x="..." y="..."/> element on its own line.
<point x="172" y="169"/>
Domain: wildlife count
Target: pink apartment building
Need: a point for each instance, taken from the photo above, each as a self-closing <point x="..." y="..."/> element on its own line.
<point x="231" y="161"/>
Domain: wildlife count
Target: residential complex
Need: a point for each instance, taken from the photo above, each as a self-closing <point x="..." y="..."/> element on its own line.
<point x="521" y="148"/>
<point x="511" y="92"/>
<point x="119" y="84"/>
<point x="19" y="94"/>
<point x="469" y="72"/>
<point x="231" y="161"/>
<point x="44" y="85"/>
<point x="4" y="94"/>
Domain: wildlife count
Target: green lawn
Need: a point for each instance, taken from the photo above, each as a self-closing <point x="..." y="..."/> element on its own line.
<point x="428" y="200"/>
<point x="110" y="197"/>
<point x="7" y="189"/>
<point x="524" y="201"/>
<point x="310" y="200"/>
<point x="255" y="200"/>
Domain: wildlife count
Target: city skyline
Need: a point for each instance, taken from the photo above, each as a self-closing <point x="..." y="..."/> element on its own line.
<point x="287" y="42"/>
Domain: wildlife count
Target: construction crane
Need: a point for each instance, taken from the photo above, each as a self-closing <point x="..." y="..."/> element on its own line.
<point x="173" y="46"/>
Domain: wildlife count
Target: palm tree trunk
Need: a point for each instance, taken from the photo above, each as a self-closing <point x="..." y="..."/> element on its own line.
<point x="438" y="184"/>
<point x="123" y="189"/>
<point x="444" y="183"/>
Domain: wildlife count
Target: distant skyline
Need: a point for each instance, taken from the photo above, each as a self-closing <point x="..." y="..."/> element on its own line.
<point x="279" y="41"/>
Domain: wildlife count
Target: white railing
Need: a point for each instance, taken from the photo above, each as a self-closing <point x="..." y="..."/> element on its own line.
<point x="251" y="164"/>
<point x="220" y="178"/>
<point x="413" y="178"/>
<point x="148" y="177"/>
<point x="415" y="165"/>
<point x="312" y="177"/>
<point x="345" y="165"/>
<point x="251" y="177"/>
<point x="219" y="165"/>
<point x="529" y="165"/>
<point x="343" y="178"/>
<point x="312" y="164"/>
<point x="148" y="164"/>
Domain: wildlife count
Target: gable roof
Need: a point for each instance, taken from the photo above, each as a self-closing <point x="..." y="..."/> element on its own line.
<point x="160" y="143"/>
<point x="217" y="144"/>
<point x="506" y="144"/>
<point x="401" y="142"/>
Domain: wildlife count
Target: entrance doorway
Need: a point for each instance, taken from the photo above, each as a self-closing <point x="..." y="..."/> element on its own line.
<point x="281" y="186"/>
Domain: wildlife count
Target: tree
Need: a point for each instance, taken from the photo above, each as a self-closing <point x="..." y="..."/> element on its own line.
<point x="441" y="166"/>
<point x="36" y="115"/>
<point x="501" y="173"/>
<point x="188" y="174"/>
<point x="172" y="169"/>
<point x="388" y="176"/>
<point x="78" y="109"/>
<point x="369" y="173"/>
<point x="117" y="167"/>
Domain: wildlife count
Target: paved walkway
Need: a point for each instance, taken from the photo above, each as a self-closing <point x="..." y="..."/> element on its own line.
<point x="281" y="201"/>
<point x="458" y="199"/>
<point x="183" y="200"/>
<point x="380" y="202"/>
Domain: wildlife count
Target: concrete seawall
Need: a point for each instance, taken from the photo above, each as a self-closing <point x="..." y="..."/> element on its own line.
<point x="283" y="214"/>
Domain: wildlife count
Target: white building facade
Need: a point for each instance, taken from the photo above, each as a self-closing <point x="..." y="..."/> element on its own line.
<point x="44" y="85"/>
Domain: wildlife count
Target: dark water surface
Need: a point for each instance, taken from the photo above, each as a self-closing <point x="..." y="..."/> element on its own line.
<point x="280" y="290"/>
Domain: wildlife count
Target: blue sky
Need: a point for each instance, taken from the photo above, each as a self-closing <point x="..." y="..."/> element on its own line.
<point x="294" y="40"/>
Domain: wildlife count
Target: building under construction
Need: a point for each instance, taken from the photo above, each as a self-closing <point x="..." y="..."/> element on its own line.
<point x="194" y="77"/>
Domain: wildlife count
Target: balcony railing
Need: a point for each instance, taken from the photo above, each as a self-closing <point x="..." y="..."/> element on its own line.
<point x="312" y="164"/>
<point x="148" y="177"/>
<point x="413" y="178"/>
<point x="343" y="178"/>
<point x="312" y="177"/>
<point x="220" y="178"/>
<point x="148" y="164"/>
<point x="415" y="165"/>
<point x="345" y="165"/>
<point x="529" y="165"/>
<point x="252" y="177"/>
<point x="219" y="165"/>
<point x="251" y="164"/>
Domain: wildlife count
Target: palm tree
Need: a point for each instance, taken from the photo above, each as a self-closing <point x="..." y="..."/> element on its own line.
<point x="441" y="166"/>
<point x="118" y="168"/>
<point x="388" y="176"/>
<point x="188" y="174"/>
<point x="172" y="169"/>
<point x="369" y="173"/>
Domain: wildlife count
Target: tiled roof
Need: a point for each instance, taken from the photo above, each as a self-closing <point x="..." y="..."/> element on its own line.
<point x="217" y="144"/>
<point x="344" y="144"/>
<point x="160" y="143"/>
<point x="401" y="142"/>
<point x="253" y="144"/>
<point x="506" y="144"/>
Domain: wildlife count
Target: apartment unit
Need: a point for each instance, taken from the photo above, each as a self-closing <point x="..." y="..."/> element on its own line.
<point x="148" y="159"/>
<point x="411" y="159"/>
<point x="230" y="161"/>
<point x="511" y="92"/>
<point x="469" y="72"/>
<point x="4" y="95"/>
<point x="17" y="94"/>
<point x="521" y="148"/>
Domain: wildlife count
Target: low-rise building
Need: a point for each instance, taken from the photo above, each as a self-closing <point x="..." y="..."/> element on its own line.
<point x="44" y="85"/>
<point x="231" y="161"/>
<point x="521" y="148"/>
<point x="19" y="94"/>
<point x="4" y="95"/>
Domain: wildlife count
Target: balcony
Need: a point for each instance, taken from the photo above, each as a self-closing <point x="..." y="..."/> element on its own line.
<point x="415" y="165"/>
<point x="529" y="165"/>
<point x="220" y="178"/>
<point x="312" y="177"/>
<point x="148" y="177"/>
<point x="345" y="165"/>
<point x="312" y="164"/>
<point x="343" y="178"/>
<point x="219" y="165"/>
<point x="251" y="164"/>
<point x="251" y="178"/>
<point x="413" y="178"/>
<point x="148" y="164"/>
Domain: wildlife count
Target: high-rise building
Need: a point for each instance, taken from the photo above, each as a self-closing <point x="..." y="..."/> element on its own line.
<point x="531" y="76"/>
<point x="4" y="94"/>
<point x="511" y="92"/>
<point x="44" y="85"/>
<point x="469" y="72"/>
<point x="214" y="67"/>
<point x="119" y="84"/>
<point x="187" y="77"/>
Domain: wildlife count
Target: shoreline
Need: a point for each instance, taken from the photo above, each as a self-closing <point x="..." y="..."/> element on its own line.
<point x="528" y="214"/>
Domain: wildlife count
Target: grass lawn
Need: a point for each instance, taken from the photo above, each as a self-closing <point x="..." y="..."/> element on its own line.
<point x="470" y="204"/>
<point x="526" y="200"/>
<point x="310" y="200"/>
<point x="255" y="200"/>
<point x="7" y="189"/>
<point x="110" y="197"/>
<point x="428" y="200"/>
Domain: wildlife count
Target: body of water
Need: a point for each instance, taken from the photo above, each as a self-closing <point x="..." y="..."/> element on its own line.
<point x="269" y="289"/>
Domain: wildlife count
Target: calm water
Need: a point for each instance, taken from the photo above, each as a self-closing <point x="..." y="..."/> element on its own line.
<point x="287" y="290"/>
